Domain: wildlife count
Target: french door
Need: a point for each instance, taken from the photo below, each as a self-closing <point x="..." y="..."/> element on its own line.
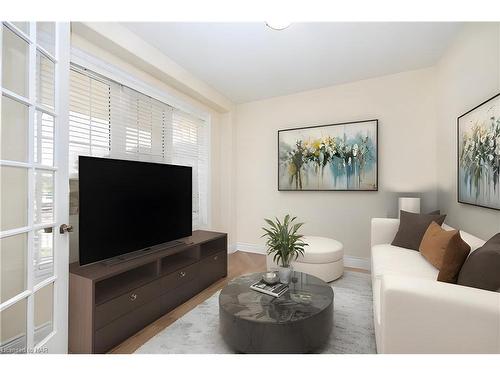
<point x="34" y="69"/>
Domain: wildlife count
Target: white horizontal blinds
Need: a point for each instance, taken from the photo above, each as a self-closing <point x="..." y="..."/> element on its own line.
<point x="138" y="125"/>
<point x="110" y="119"/>
<point x="89" y="119"/>
<point x="190" y="147"/>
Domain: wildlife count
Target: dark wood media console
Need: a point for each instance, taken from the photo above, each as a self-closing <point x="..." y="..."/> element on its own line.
<point x="109" y="303"/>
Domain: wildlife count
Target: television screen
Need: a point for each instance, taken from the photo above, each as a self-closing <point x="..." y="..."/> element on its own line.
<point x="126" y="206"/>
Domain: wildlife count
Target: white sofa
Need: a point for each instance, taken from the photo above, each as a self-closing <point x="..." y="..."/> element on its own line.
<point x="414" y="313"/>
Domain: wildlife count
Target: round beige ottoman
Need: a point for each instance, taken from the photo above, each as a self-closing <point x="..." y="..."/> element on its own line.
<point x="323" y="258"/>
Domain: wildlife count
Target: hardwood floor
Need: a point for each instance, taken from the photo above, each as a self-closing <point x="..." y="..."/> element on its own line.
<point x="239" y="263"/>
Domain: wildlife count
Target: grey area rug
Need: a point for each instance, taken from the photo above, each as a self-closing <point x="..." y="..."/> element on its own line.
<point x="197" y="332"/>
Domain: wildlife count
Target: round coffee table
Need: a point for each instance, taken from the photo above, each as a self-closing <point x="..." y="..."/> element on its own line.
<point x="300" y="321"/>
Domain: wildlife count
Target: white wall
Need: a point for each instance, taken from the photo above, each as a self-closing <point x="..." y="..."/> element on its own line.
<point x="467" y="75"/>
<point x="223" y="209"/>
<point x="405" y="106"/>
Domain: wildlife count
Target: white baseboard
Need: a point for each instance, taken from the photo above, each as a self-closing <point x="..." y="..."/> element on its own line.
<point x="357" y="262"/>
<point x="349" y="261"/>
<point x="250" y="248"/>
<point x="231" y="248"/>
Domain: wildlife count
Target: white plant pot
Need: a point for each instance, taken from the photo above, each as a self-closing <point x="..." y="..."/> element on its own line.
<point x="285" y="274"/>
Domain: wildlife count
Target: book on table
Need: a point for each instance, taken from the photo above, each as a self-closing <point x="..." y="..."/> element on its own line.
<point x="276" y="290"/>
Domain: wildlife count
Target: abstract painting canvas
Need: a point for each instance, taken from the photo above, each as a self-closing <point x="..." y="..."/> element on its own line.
<point x="329" y="157"/>
<point x="479" y="155"/>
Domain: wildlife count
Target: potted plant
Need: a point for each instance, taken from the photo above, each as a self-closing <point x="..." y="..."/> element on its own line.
<point x="285" y="243"/>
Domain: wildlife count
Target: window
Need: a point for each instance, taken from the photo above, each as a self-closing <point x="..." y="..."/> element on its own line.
<point x="143" y="124"/>
<point x="108" y="119"/>
<point x="190" y="147"/>
<point x="89" y="119"/>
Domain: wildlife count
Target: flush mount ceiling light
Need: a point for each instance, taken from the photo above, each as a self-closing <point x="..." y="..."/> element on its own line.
<point x="278" y="25"/>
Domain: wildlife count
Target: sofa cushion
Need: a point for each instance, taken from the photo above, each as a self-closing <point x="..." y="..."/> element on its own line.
<point x="389" y="259"/>
<point x="454" y="257"/>
<point x="412" y="228"/>
<point x="481" y="269"/>
<point x="434" y="244"/>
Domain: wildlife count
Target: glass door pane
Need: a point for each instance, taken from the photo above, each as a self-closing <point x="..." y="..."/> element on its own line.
<point x="14" y="130"/>
<point x="43" y="262"/>
<point x="46" y="36"/>
<point x="13" y="277"/>
<point x="44" y="313"/>
<point x="44" y="139"/>
<point x="13" y="328"/>
<point x="14" y="197"/>
<point x="15" y="62"/>
<point x="44" y="197"/>
<point x="45" y="83"/>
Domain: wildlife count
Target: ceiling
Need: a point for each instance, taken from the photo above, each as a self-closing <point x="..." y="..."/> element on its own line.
<point x="249" y="61"/>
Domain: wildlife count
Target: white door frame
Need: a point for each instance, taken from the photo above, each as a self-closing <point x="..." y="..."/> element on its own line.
<point x="59" y="343"/>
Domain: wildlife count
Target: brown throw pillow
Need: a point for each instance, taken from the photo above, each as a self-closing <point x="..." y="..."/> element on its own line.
<point x="454" y="257"/>
<point x="482" y="268"/>
<point x="434" y="244"/>
<point x="412" y="228"/>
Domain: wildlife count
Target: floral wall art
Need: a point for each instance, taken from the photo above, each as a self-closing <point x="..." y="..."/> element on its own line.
<point x="329" y="157"/>
<point x="479" y="155"/>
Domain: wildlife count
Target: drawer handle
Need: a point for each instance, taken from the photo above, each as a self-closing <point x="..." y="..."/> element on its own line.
<point x="133" y="297"/>
<point x="182" y="274"/>
<point x="216" y="257"/>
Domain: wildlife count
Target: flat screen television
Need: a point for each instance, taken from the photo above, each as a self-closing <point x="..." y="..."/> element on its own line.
<point x="127" y="206"/>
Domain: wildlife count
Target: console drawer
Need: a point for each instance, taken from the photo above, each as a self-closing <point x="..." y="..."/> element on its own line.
<point x="213" y="247"/>
<point x="212" y="268"/>
<point x="111" y="310"/>
<point x="112" y="334"/>
<point x="179" y="277"/>
<point x="176" y="297"/>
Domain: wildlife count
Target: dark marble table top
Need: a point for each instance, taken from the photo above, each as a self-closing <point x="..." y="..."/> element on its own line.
<point x="307" y="295"/>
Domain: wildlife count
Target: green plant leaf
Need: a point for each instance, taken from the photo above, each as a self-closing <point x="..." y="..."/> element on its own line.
<point x="282" y="239"/>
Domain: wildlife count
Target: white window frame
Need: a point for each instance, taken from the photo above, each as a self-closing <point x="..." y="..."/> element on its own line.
<point x="114" y="73"/>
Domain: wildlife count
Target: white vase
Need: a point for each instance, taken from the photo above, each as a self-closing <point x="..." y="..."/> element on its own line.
<point x="285" y="274"/>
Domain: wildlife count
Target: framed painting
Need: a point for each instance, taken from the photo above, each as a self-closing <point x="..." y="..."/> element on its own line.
<point x="478" y="155"/>
<point x="336" y="157"/>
